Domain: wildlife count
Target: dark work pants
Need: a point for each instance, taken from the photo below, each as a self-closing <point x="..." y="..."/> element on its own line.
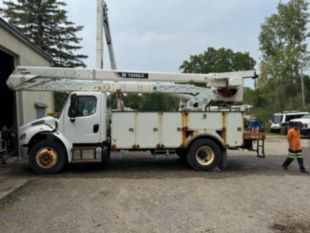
<point x="289" y="160"/>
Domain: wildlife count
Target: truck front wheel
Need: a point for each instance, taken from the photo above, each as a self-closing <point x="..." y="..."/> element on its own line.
<point x="47" y="157"/>
<point x="204" y="155"/>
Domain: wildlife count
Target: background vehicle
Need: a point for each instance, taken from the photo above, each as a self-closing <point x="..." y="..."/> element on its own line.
<point x="280" y="120"/>
<point x="305" y="122"/>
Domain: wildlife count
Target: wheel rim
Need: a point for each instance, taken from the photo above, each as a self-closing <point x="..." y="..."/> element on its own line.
<point x="205" y="156"/>
<point x="46" y="157"/>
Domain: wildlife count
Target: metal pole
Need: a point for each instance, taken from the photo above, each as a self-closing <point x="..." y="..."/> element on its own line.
<point x="108" y="38"/>
<point x="302" y="87"/>
<point x="99" y="38"/>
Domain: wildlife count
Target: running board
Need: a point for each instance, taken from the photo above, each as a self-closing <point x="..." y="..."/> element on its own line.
<point x="86" y="154"/>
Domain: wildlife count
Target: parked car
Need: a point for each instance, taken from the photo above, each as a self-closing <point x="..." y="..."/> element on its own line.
<point x="280" y="120"/>
<point x="305" y="121"/>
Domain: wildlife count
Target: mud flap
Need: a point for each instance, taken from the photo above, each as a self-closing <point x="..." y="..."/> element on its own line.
<point x="223" y="163"/>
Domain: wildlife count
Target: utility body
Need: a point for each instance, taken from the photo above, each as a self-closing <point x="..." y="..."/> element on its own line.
<point x="88" y="130"/>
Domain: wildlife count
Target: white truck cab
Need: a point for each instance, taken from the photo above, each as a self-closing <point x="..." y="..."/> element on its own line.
<point x="305" y="124"/>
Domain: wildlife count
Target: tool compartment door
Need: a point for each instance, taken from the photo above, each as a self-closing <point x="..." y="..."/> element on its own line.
<point x="171" y="136"/>
<point x="234" y="126"/>
<point x="123" y="130"/>
<point x="147" y="130"/>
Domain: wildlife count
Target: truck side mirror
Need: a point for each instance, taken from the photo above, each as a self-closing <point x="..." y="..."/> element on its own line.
<point x="73" y="107"/>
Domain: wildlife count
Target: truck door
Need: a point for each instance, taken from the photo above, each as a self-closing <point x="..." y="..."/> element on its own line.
<point x="82" y="120"/>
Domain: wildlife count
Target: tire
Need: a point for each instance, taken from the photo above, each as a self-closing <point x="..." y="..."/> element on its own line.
<point x="47" y="157"/>
<point x="204" y="155"/>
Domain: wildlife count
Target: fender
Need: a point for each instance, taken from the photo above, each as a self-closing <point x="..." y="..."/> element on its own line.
<point x="216" y="138"/>
<point x="211" y="134"/>
<point x="27" y="132"/>
<point x="40" y="127"/>
<point x="67" y="144"/>
<point x="60" y="137"/>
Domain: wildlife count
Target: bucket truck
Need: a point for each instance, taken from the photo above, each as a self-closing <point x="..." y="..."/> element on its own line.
<point x="199" y="137"/>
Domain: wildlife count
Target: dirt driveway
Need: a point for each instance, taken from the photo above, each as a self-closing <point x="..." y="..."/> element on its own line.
<point x="141" y="193"/>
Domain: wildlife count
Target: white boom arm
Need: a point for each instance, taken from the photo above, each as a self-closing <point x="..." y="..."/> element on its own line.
<point x="103" y="25"/>
<point x="27" y="73"/>
<point x="226" y="87"/>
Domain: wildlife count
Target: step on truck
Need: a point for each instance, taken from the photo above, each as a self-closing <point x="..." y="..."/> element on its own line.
<point x="88" y="126"/>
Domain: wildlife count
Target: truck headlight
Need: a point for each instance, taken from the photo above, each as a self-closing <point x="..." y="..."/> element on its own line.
<point x="22" y="137"/>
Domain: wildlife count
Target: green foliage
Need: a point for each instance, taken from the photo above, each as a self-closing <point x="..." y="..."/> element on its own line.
<point x="254" y="98"/>
<point x="45" y="23"/>
<point x="218" y="60"/>
<point x="147" y="102"/>
<point x="307" y="88"/>
<point x="60" y="99"/>
<point x="284" y="53"/>
<point x="158" y="102"/>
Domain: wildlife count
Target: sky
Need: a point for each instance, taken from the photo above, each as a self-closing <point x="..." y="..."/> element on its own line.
<point x="159" y="35"/>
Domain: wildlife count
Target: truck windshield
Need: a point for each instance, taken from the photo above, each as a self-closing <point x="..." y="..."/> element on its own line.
<point x="307" y="116"/>
<point x="276" y="119"/>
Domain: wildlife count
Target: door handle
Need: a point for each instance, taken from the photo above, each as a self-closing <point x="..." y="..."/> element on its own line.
<point x="96" y="128"/>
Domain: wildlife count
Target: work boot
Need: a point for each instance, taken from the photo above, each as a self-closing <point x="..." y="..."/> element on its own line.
<point x="304" y="171"/>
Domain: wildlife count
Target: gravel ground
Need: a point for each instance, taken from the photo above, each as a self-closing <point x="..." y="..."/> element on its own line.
<point x="141" y="193"/>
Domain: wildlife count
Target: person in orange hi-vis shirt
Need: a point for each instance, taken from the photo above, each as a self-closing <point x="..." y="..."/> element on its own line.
<point x="294" y="148"/>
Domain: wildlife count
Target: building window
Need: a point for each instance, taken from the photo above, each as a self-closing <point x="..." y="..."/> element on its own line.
<point x="40" y="109"/>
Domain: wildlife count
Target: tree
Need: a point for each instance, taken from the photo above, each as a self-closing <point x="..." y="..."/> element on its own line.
<point x="158" y="102"/>
<point x="218" y="60"/>
<point x="147" y="102"/>
<point x="284" y="54"/>
<point x="45" y="23"/>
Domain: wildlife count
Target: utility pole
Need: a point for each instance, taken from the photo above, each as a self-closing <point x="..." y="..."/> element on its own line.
<point x="103" y="26"/>
<point x="302" y="86"/>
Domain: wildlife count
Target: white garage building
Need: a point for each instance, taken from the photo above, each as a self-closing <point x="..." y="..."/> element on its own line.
<point x="20" y="107"/>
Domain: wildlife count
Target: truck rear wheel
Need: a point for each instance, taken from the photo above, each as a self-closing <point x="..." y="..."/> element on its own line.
<point x="47" y="157"/>
<point x="204" y="155"/>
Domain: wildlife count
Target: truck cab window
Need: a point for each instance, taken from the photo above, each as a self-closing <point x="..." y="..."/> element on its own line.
<point x="84" y="106"/>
